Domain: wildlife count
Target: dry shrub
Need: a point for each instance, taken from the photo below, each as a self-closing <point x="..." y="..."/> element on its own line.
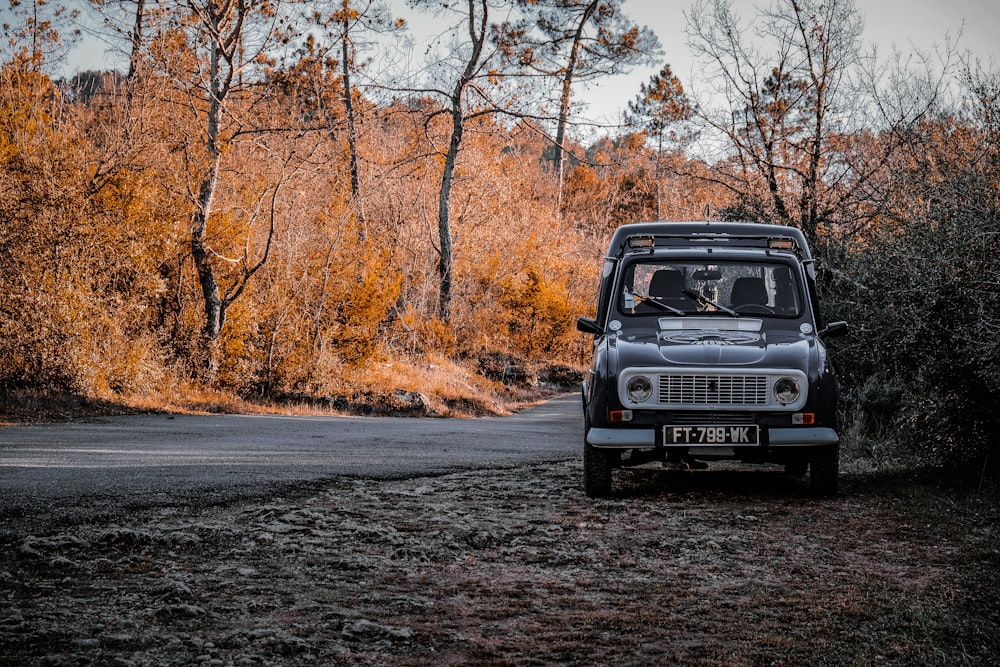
<point x="537" y="314"/>
<point x="528" y="309"/>
<point x="426" y="335"/>
<point x="294" y="338"/>
<point x="398" y="384"/>
<point x="450" y="388"/>
<point x="120" y="366"/>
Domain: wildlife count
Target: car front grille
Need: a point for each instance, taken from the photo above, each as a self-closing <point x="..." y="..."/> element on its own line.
<point x="699" y="417"/>
<point x="713" y="390"/>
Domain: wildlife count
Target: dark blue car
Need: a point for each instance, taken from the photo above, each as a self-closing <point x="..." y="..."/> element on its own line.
<point x="709" y="345"/>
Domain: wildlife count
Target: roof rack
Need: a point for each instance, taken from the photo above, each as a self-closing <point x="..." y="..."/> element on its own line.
<point x="650" y="235"/>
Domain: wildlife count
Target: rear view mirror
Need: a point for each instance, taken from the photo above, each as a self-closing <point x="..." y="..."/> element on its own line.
<point x="707" y="274"/>
<point x="834" y="329"/>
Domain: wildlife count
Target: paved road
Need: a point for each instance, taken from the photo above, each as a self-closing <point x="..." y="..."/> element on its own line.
<point x="53" y="473"/>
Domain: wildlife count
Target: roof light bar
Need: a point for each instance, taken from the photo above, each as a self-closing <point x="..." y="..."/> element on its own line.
<point x="640" y="242"/>
<point x="783" y="243"/>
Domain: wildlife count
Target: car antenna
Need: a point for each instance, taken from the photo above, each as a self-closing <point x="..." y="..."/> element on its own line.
<point x="708" y="213"/>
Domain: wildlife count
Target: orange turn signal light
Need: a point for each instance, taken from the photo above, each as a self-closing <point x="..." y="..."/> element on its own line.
<point x="620" y="415"/>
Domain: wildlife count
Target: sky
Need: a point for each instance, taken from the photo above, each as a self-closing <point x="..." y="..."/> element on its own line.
<point x="904" y="24"/>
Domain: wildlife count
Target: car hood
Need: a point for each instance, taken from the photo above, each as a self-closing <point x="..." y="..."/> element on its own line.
<point x="711" y="342"/>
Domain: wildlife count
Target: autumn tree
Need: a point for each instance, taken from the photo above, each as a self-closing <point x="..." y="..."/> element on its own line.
<point x="38" y="32"/>
<point x="577" y="41"/>
<point x="332" y="50"/>
<point x="32" y="241"/>
<point x="784" y="104"/>
<point x="79" y="281"/>
<point x="475" y="89"/>
<point x="345" y="17"/>
<point x="221" y="42"/>
<point x="658" y="109"/>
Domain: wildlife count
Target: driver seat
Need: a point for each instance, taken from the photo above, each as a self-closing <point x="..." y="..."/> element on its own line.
<point x="667" y="286"/>
<point x="748" y="291"/>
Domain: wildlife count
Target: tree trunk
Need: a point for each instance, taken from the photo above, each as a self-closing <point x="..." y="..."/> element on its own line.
<point x="564" y="98"/>
<point x="352" y="135"/>
<point x="202" y="257"/>
<point x="657" y="174"/>
<point x="477" y="34"/>
<point x="200" y="252"/>
<point x="444" y="211"/>
<point x="136" y="40"/>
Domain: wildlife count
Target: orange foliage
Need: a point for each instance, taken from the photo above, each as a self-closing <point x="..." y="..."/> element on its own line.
<point x="96" y="248"/>
<point x="105" y="299"/>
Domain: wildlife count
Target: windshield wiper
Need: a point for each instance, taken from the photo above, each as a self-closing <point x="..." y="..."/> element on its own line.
<point x="705" y="301"/>
<point x="659" y="304"/>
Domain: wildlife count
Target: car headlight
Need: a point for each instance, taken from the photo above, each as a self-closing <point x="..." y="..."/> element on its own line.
<point x="639" y="389"/>
<point x="786" y="390"/>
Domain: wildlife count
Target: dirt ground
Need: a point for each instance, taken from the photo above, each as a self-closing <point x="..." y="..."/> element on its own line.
<point x="517" y="567"/>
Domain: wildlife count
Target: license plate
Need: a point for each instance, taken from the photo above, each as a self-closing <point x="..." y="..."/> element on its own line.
<point x="711" y="435"/>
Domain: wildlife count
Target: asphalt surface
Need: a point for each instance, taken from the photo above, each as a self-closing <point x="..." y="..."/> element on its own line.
<point x="67" y="473"/>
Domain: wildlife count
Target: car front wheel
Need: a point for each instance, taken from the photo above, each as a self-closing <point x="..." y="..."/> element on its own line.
<point x="596" y="468"/>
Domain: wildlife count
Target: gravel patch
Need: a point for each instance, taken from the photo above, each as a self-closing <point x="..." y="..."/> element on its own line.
<point x="517" y="567"/>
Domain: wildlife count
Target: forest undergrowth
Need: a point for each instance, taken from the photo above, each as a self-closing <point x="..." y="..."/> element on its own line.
<point x="495" y="385"/>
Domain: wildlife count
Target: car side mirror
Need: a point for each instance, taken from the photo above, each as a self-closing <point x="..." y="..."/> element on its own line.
<point x="835" y="329"/>
<point x="588" y="325"/>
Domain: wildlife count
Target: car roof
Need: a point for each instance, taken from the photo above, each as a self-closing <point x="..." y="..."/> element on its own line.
<point x="706" y="234"/>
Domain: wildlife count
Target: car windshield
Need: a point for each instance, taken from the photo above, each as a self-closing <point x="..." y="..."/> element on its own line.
<point x="730" y="288"/>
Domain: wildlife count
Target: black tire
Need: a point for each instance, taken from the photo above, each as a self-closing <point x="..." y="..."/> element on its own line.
<point x="596" y="471"/>
<point x="797" y="468"/>
<point x="824" y="470"/>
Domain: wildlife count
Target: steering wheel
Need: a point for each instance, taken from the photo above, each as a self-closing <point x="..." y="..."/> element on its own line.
<point x="751" y="308"/>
